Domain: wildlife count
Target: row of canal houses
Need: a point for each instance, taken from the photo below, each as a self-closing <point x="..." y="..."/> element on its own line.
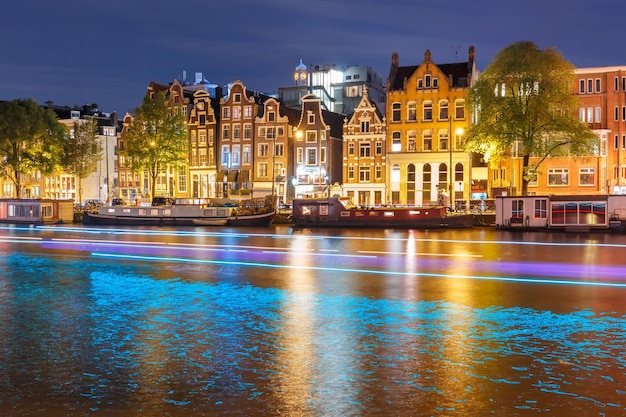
<point x="405" y="150"/>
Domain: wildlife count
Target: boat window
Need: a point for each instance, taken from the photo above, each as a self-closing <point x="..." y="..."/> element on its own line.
<point x="323" y="210"/>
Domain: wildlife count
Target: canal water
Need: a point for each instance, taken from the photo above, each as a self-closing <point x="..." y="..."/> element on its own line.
<point x="280" y="321"/>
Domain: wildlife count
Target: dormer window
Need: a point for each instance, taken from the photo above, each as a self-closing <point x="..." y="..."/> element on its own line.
<point x="237" y="98"/>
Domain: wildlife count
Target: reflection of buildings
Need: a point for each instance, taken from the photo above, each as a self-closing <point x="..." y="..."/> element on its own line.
<point x="340" y="90"/>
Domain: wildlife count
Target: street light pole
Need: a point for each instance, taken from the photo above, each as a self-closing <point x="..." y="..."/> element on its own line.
<point x="450" y="186"/>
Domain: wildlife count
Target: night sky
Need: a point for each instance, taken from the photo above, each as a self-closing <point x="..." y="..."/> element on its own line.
<point x="74" y="52"/>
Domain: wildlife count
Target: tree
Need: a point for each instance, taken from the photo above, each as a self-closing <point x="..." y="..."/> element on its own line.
<point x="524" y="106"/>
<point x="31" y="139"/>
<point x="156" y="137"/>
<point x="83" y="151"/>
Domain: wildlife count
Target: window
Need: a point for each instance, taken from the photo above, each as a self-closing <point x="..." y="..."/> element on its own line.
<point x="202" y="120"/>
<point x="517" y="209"/>
<point x="225" y="155"/>
<point x="590" y="115"/>
<point x="262" y="170"/>
<point x="411" y="112"/>
<point x="202" y="156"/>
<point x="264" y="149"/>
<point x="558" y="177"/>
<point x="427" y="79"/>
<point x="311" y="156"/>
<point x="443" y="110"/>
<point x="247" y="131"/>
<point x="427" y="138"/>
<point x="247" y="112"/>
<point x="590" y="86"/>
<point x="226" y="132"/>
<point x="236" y="113"/>
<point x="616" y="113"/>
<point x="311" y="136"/>
<point x="351" y="148"/>
<point x="541" y="209"/>
<point x="587" y="176"/>
<point x="351" y="173"/>
<point x="411" y="140"/>
<point x="379" y="148"/>
<point x="428" y="110"/>
<point x="226" y="113"/>
<point x="299" y="156"/>
<point x="459" y="109"/>
<point x="237" y="98"/>
<point x="279" y="149"/>
<point x="581" y="90"/>
<point x="365" y="150"/>
<point x="182" y="182"/>
<point x="364" y="174"/>
<point x="236" y="154"/>
<point x="616" y="84"/>
<point x="598" y="115"/>
<point x="395" y="112"/>
<point x="443" y="140"/>
<point x="237" y="131"/>
<point x="365" y="126"/>
<point x="202" y="135"/>
<point x="396" y="144"/>
<point x="246" y="154"/>
<point x="311" y="118"/>
<point x="271" y="116"/>
<point x="598" y="85"/>
<point x="378" y="172"/>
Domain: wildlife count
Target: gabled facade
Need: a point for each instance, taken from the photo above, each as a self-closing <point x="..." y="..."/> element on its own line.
<point x="317" y="149"/>
<point x="426" y="120"/>
<point x="365" y="154"/>
<point x="203" y="146"/>
<point x="236" y="157"/>
<point x="273" y="150"/>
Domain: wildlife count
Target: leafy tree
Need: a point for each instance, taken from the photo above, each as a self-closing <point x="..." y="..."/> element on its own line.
<point x="524" y="106"/>
<point x="156" y="137"/>
<point x="83" y="151"/>
<point x="31" y="139"/>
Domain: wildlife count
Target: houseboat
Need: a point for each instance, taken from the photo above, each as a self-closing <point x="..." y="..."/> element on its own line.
<point x="561" y="212"/>
<point x="36" y="211"/>
<point x="342" y="212"/>
<point x="182" y="214"/>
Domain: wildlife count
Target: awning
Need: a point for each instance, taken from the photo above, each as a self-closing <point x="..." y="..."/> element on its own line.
<point x="243" y="176"/>
<point x="221" y="175"/>
<point x="232" y="176"/>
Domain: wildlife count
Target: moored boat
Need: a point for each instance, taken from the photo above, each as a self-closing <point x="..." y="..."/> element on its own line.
<point x="180" y="215"/>
<point x="36" y="211"/>
<point x="341" y="212"/>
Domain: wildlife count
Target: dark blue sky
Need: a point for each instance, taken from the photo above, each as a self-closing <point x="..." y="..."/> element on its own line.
<point x="106" y="52"/>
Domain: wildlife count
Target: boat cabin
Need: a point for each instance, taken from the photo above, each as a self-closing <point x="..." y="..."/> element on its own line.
<point x="36" y="211"/>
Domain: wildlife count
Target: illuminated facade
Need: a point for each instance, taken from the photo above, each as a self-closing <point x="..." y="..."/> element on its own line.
<point x="274" y="138"/>
<point x="203" y="145"/>
<point x="317" y="149"/>
<point x="426" y="120"/>
<point x="339" y="89"/>
<point x="602" y="95"/>
<point x="365" y="154"/>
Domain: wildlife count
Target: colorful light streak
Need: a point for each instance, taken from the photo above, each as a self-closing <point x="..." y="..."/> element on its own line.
<point x="532" y="280"/>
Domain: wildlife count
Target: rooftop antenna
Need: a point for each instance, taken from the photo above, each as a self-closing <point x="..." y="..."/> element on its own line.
<point x="456" y="51"/>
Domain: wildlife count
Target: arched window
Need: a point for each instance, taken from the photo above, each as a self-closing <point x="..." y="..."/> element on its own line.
<point x="427" y="181"/>
<point x="410" y="184"/>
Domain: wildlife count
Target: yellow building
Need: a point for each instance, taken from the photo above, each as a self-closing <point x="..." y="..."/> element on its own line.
<point x="426" y="120"/>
